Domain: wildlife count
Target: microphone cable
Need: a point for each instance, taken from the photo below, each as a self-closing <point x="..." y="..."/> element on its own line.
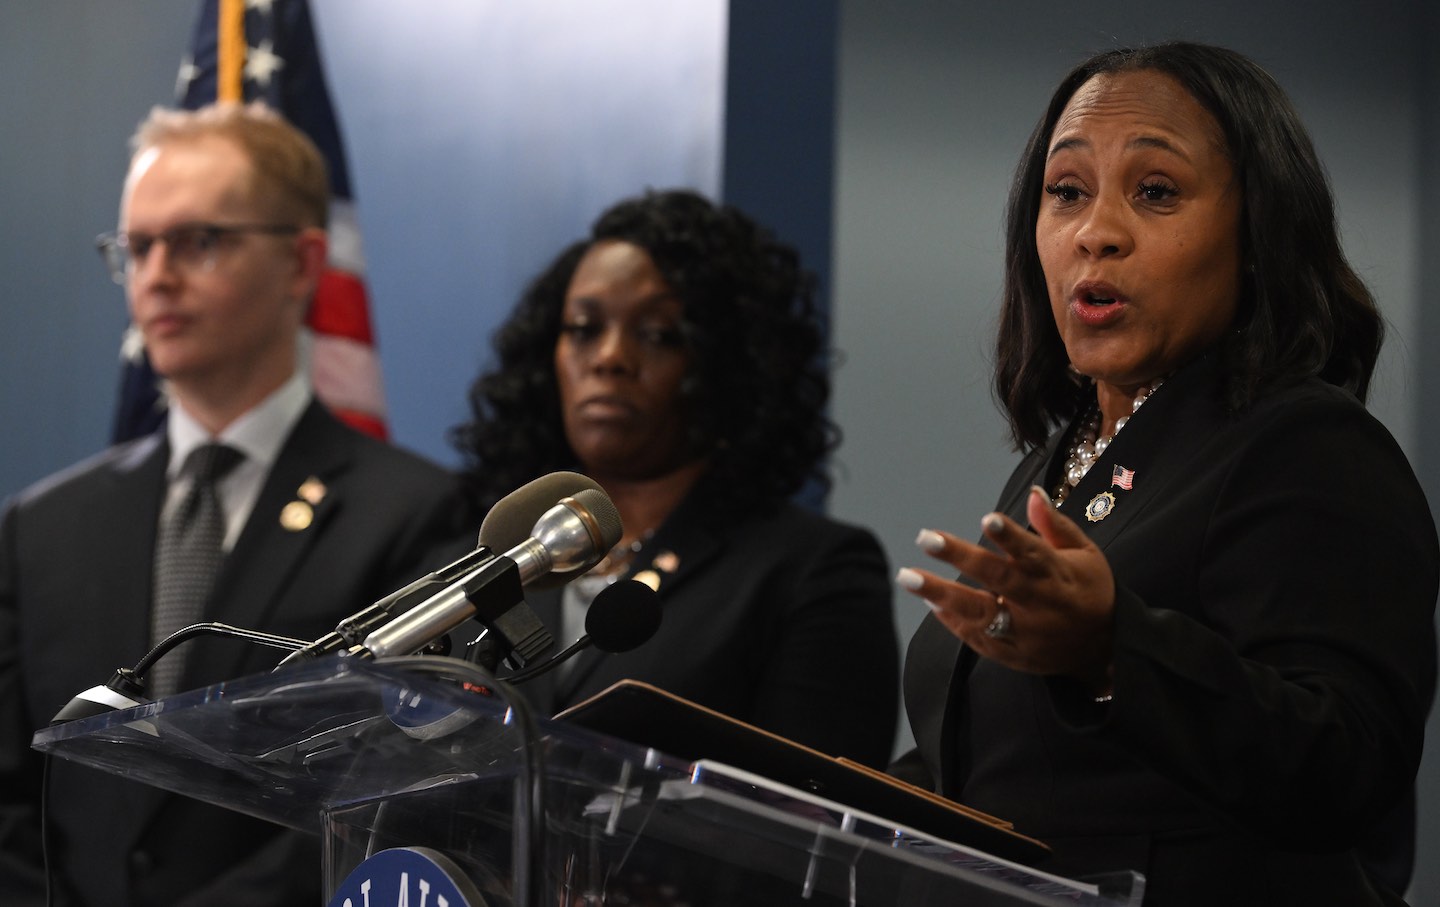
<point x="185" y="634"/>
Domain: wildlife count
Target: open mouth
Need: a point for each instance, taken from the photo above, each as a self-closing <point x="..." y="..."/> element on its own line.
<point x="1097" y="304"/>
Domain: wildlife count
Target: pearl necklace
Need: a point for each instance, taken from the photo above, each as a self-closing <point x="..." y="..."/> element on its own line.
<point x="1088" y="446"/>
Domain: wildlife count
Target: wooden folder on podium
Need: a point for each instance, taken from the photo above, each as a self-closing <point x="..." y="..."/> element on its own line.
<point x="649" y="716"/>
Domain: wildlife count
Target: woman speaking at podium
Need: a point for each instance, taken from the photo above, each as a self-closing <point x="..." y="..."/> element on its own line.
<point x="1196" y="637"/>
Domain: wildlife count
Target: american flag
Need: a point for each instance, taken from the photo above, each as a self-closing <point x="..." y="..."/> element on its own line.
<point x="247" y="50"/>
<point x="1122" y="478"/>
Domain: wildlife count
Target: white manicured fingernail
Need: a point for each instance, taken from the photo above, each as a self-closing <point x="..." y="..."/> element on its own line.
<point x="929" y="541"/>
<point x="906" y="578"/>
<point x="992" y="523"/>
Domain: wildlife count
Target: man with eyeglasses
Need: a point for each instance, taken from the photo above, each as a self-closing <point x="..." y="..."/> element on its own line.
<point x="220" y="245"/>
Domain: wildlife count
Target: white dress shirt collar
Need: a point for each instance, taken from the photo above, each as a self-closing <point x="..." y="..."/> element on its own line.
<point x="258" y="434"/>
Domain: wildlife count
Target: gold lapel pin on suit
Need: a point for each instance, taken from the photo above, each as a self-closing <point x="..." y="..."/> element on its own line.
<point x="297" y="515"/>
<point x="312" y="491"/>
<point x="666" y="562"/>
<point x="1100" y="506"/>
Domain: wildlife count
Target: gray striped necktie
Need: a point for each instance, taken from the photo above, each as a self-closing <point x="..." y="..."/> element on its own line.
<point x="188" y="553"/>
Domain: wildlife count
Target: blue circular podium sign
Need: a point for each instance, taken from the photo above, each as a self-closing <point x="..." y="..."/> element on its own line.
<point x="407" y="877"/>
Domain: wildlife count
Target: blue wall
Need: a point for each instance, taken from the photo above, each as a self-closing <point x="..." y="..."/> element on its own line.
<point x="78" y="77"/>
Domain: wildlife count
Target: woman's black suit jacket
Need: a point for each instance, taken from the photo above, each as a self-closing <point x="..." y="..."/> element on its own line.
<point x="783" y="620"/>
<point x="1274" y="657"/>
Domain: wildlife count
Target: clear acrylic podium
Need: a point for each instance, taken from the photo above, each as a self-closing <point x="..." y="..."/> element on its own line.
<point x="421" y="753"/>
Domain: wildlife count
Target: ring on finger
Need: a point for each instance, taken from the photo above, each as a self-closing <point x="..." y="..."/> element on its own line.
<point x="1000" y="625"/>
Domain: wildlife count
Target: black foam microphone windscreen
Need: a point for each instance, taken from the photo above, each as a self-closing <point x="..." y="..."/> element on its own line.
<point x="623" y="616"/>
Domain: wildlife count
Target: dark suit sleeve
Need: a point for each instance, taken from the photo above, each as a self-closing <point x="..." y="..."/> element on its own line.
<point x="1294" y="698"/>
<point x="832" y="673"/>
<point x="21" y="877"/>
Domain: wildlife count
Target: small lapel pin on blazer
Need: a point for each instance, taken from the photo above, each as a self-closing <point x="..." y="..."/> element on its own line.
<point x="312" y="491"/>
<point x="297" y="516"/>
<point x="1122" y="478"/>
<point x="1100" y="506"/>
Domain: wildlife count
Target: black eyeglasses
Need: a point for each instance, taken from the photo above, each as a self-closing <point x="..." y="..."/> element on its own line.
<point x="192" y="247"/>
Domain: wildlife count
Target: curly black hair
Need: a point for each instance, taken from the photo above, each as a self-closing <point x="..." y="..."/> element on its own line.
<point x="1303" y="310"/>
<point x="757" y="386"/>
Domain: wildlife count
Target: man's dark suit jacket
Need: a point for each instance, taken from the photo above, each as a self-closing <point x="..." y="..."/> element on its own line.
<point x="75" y="577"/>
<point x="1274" y="657"/>
<point x="781" y="620"/>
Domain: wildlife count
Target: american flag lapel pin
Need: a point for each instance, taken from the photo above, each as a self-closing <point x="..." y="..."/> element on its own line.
<point x="1122" y="478"/>
<point x="1103" y="503"/>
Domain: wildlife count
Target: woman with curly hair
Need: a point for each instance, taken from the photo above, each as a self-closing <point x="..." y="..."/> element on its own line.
<point x="674" y="356"/>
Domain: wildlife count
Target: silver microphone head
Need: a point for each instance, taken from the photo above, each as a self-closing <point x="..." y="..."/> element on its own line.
<point x="570" y="537"/>
<point x="512" y="520"/>
<point x="509" y="522"/>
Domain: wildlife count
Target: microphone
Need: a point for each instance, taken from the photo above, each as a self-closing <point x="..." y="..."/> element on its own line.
<point x="570" y="537"/>
<point x="350" y="631"/>
<point x="522" y="507"/>
<point x="623" y="616"/>
<point x="507" y="526"/>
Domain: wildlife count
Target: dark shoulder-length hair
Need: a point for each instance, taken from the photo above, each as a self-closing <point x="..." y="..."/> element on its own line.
<point x="1303" y="310"/>
<point x="757" y="387"/>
